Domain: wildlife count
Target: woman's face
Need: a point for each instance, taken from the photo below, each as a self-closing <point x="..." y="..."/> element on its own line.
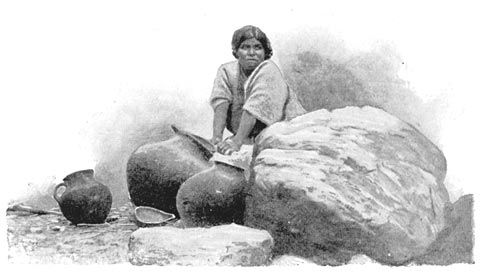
<point x="250" y="54"/>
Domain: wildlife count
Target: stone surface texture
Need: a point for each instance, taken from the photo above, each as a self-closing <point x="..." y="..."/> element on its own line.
<point x="52" y="239"/>
<point x="329" y="185"/>
<point x="454" y="243"/>
<point x="291" y="260"/>
<point x="225" y="245"/>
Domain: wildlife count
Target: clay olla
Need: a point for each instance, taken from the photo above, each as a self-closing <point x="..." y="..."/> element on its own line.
<point x="213" y="197"/>
<point x="84" y="200"/>
<point x="177" y="176"/>
<point x="156" y="170"/>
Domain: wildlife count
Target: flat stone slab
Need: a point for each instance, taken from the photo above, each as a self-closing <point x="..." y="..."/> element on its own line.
<point x="225" y="245"/>
<point x="291" y="260"/>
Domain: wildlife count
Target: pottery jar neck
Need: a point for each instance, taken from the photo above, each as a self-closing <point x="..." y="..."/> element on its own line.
<point x="203" y="145"/>
<point x="79" y="177"/>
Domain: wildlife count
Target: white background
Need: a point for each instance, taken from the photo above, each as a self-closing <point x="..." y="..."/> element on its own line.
<point x="65" y="64"/>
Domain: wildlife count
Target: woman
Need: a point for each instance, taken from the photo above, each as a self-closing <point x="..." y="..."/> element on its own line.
<point x="250" y="93"/>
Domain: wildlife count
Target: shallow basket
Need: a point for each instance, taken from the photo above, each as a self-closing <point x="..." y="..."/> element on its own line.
<point x="149" y="217"/>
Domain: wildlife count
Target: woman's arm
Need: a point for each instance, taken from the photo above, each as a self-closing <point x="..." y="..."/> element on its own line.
<point x="219" y="122"/>
<point x="247" y="123"/>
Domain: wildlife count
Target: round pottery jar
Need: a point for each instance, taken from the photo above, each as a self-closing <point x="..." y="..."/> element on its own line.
<point x="84" y="200"/>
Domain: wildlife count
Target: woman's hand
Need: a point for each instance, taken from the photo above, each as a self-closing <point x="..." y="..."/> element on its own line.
<point x="215" y="140"/>
<point x="228" y="146"/>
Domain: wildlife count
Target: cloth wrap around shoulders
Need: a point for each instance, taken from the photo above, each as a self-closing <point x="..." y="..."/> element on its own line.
<point x="264" y="94"/>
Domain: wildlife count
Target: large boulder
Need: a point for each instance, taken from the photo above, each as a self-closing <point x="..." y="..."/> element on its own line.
<point x="330" y="185"/>
<point x="226" y="245"/>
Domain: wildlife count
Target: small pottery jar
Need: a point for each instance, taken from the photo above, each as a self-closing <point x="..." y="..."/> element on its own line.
<point x="84" y="199"/>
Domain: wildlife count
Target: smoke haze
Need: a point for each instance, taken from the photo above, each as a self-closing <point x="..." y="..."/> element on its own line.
<point x="325" y="74"/>
<point x="87" y="84"/>
<point x="317" y="65"/>
<point x="135" y="122"/>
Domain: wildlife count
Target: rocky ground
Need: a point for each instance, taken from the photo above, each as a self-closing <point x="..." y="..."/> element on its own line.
<point x="53" y="239"/>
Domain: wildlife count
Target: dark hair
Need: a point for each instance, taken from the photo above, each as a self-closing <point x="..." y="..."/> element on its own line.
<point x="248" y="32"/>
